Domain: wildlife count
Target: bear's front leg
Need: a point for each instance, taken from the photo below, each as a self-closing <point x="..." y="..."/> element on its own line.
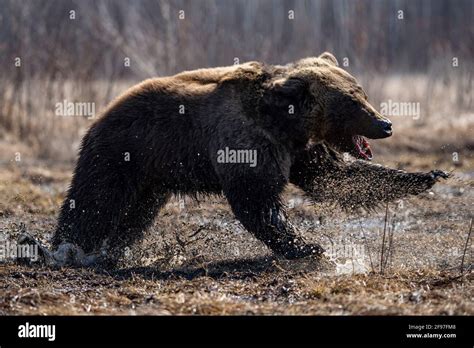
<point x="326" y="177"/>
<point x="256" y="204"/>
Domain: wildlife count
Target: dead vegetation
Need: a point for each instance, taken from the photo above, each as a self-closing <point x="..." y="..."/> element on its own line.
<point x="41" y="291"/>
<point x="198" y="260"/>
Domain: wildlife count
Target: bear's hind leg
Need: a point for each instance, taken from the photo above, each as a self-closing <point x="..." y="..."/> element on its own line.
<point x="103" y="221"/>
<point x="86" y="226"/>
<point x="135" y="222"/>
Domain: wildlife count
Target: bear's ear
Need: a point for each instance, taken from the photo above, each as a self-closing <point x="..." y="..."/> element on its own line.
<point x="287" y="95"/>
<point x="329" y="57"/>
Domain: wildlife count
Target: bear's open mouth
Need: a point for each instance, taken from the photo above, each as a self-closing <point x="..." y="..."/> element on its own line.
<point x="362" y="147"/>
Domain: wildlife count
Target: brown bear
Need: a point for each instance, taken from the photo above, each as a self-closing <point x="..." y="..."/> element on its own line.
<point x="244" y="131"/>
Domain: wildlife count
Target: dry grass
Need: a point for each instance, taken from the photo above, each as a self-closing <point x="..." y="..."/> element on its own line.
<point x="41" y="291"/>
<point x="199" y="260"/>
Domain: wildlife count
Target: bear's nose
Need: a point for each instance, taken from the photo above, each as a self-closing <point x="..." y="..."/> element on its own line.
<point x="386" y="126"/>
<point x="383" y="128"/>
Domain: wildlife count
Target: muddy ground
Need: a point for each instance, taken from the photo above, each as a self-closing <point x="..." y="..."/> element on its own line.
<point x="197" y="259"/>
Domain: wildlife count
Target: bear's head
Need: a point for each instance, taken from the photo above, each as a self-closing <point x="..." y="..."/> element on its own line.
<point x="329" y="104"/>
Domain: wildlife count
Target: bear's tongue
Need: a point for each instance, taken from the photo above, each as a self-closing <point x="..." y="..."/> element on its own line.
<point x="363" y="147"/>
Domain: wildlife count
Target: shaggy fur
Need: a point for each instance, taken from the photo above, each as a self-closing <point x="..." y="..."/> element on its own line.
<point x="144" y="149"/>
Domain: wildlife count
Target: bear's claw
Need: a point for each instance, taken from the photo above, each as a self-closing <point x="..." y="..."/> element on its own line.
<point x="439" y="174"/>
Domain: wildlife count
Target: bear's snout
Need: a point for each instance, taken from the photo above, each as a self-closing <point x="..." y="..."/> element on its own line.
<point x="385" y="127"/>
<point x="380" y="128"/>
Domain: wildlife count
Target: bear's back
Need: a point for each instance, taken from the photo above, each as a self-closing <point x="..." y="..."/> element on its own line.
<point x="193" y="83"/>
